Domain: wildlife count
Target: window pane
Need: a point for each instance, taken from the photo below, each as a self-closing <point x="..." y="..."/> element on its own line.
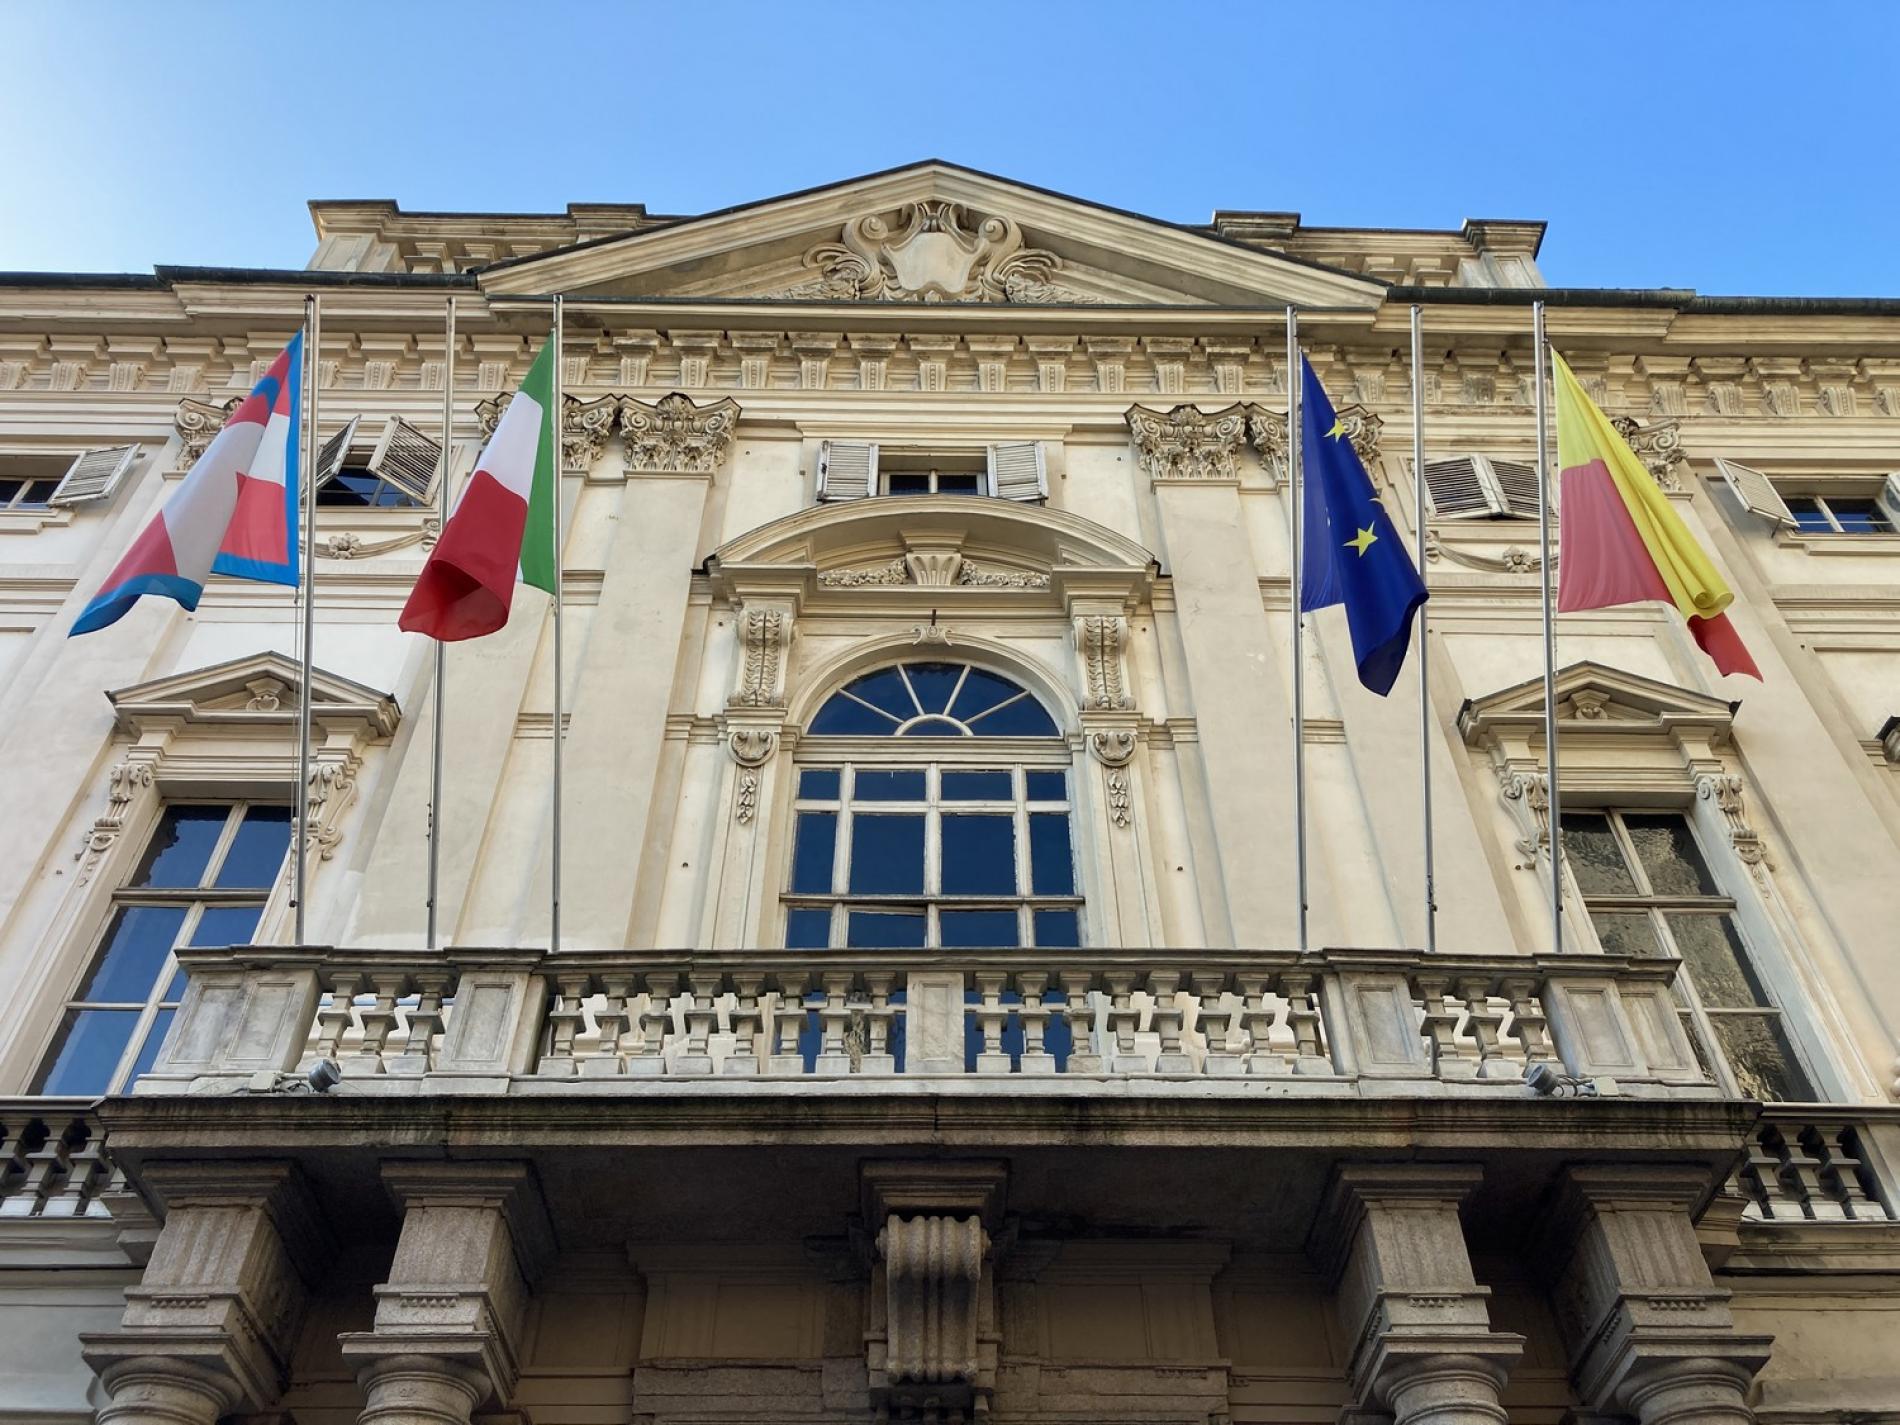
<point x="1717" y="962"/>
<point x="1052" y="864"/>
<point x="226" y="925"/>
<point x="1626" y="932"/>
<point x="1596" y="861"/>
<point x="908" y="482"/>
<point x="814" y="841"/>
<point x="884" y="930"/>
<point x="1048" y="786"/>
<point x="888" y="787"/>
<point x="257" y="851"/>
<point x="979" y="856"/>
<point x="978" y="929"/>
<point x="136" y="944"/>
<point x="976" y="787"/>
<point x="1858" y="516"/>
<point x="154" y="1041"/>
<point x="1809" y="515"/>
<point x="934" y="683"/>
<point x="841" y="717"/>
<point x="1667" y="849"/>
<point x="1023" y="718"/>
<point x="807" y="929"/>
<point x="1058" y="928"/>
<point x="981" y="692"/>
<point x="180" y="847"/>
<point x="90" y="1045"/>
<point x="887" y="855"/>
<point x="885" y="690"/>
<point x="1763" y="1063"/>
<point x="819" y="783"/>
<point x="953" y="483"/>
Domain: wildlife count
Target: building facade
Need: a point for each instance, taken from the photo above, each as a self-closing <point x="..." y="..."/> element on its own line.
<point x="929" y="1035"/>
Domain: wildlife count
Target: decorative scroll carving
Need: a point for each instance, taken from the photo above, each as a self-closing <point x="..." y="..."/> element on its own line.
<point x="123" y="784"/>
<point x="932" y="567"/>
<point x="198" y="424"/>
<point x="751" y="748"/>
<point x="1188" y="443"/>
<point x="675" y="434"/>
<point x="1725" y="790"/>
<point x="1658" y="445"/>
<point x="267" y="694"/>
<point x="1113" y="747"/>
<point x="1266" y="429"/>
<point x="348" y="545"/>
<point x="1512" y="559"/>
<point x="896" y="572"/>
<point x="932" y="632"/>
<point x="332" y="785"/>
<point x="973" y="575"/>
<point x="585" y="425"/>
<point x="1362" y="429"/>
<point x="932" y="253"/>
<point x="1100" y="638"/>
<point x="762" y="635"/>
<point x="1527" y="797"/>
<point x="933" y="1269"/>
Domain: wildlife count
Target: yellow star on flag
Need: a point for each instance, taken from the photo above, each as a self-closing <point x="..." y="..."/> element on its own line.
<point x="1338" y="432"/>
<point x="1362" y="541"/>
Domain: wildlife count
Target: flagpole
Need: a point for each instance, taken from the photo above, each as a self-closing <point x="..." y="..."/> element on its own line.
<point x="554" y="909"/>
<point x="1294" y="482"/>
<point x="1424" y="644"/>
<point x="441" y="648"/>
<point x="307" y="591"/>
<point x="1554" y="798"/>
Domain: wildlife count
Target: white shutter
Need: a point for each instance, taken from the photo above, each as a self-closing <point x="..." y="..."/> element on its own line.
<point x="406" y="458"/>
<point x="1018" y="471"/>
<point x="1516" y="484"/>
<point x="1755" y="492"/>
<point x="333" y="452"/>
<point x="847" y="469"/>
<point x="95" y="475"/>
<point x="1461" y="488"/>
<point x="1889" y="499"/>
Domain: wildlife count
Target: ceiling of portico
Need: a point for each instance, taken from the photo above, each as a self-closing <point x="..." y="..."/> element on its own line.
<point x="928" y="233"/>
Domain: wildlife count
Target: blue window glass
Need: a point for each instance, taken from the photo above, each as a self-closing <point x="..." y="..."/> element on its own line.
<point x="979" y="855"/>
<point x="1024" y="717"/>
<point x="957" y="698"/>
<point x="1048" y="786"/>
<point x="1809" y="516"/>
<point x="934" y="683"/>
<point x="886" y="691"/>
<point x="1051" y="862"/>
<point x="1858" y="516"/>
<point x="227" y="925"/>
<point x="819" y="784"/>
<point x="882" y="786"/>
<point x="257" y="851"/>
<point x="885" y="930"/>
<point x="982" y="691"/>
<point x="136" y="944"/>
<point x="90" y="1044"/>
<point x="887" y="855"/>
<point x="1058" y="928"/>
<point x="154" y="1041"/>
<point x="181" y="846"/>
<point x="978" y="929"/>
<point x="977" y="786"/>
<point x="807" y="929"/>
<point x="847" y="717"/>
<point x="814" y="845"/>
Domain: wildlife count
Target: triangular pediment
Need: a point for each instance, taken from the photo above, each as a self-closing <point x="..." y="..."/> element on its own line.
<point x="931" y="233"/>
<point x="258" y="688"/>
<point x="1596" y="697"/>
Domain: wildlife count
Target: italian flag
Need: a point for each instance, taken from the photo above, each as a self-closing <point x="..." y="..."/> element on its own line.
<point x="502" y="524"/>
<point x="1620" y="541"/>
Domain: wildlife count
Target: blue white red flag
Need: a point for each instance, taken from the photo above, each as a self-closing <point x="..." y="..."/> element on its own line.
<point x="235" y="513"/>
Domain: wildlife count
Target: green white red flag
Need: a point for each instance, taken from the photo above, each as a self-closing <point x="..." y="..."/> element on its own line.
<point x="501" y="527"/>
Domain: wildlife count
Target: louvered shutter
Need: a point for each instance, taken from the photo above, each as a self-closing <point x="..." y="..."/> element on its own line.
<point x="1889" y="499"/>
<point x="1516" y="484"/>
<point x="94" y="475"/>
<point x="1755" y="492"/>
<point x="847" y="469"/>
<point x="1459" y="489"/>
<point x="333" y="452"/>
<point x="406" y="458"/>
<point x="1018" y="471"/>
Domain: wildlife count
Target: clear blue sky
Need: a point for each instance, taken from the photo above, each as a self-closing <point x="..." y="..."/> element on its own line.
<point x="1731" y="147"/>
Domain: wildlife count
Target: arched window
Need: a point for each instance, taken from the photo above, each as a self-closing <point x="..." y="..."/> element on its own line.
<point x="932" y="810"/>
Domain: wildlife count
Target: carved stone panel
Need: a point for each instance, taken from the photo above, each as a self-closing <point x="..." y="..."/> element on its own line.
<point x="674" y="434"/>
<point x="932" y="251"/>
<point x="1188" y="443"/>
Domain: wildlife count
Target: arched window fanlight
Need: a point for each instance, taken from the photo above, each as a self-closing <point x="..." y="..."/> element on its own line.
<point x="933" y="700"/>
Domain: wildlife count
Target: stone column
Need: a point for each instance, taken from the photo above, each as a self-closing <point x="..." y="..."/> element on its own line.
<point x="1424" y="1351"/>
<point x="1649" y="1332"/>
<point x="448" y="1321"/>
<point x="210" y="1326"/>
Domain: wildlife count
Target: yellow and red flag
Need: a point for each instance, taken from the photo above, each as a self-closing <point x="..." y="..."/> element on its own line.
<point x="1621" y="542"/>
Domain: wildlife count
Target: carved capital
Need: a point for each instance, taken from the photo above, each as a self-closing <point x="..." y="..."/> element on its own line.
<point x="674" y="434"/>
<point x="585" y="425"/>
<point x="1266" y="431"/>
<point x="1658" y="444"/>
<point x="1188" y="443"/>
<point x="198" y="423"/>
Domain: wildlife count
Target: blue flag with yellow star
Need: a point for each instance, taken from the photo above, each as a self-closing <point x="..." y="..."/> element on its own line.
<point x="1350" y="554"/>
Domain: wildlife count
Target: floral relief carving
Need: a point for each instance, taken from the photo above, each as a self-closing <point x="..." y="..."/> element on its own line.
<point x="1120" y="803"/>
<point x="674" y="434"/>
<point x="1526" y="796"/>
<point x="1266" y="431"/>
<point x="762" y="636"/>
<point x="1188" y="443"/>
<point x="933" y="251"/>
<point x="350" y="545"/>
<point x="198" y="423"/>
<point x="971" y="575"/>
<point x="881" y="575"/>
<point x="1101" y="638"/>
<point x="1725" y="790"/>
<point x="123" y="785"/>
<point x="751" y="748"/>
<point x="1512" y="559"/>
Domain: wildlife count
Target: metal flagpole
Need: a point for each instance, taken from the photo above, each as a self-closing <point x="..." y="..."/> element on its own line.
<point x="554" y="910"/>
<point x="307" y="588"/>
<point x="1424" y="644"/>
<point x="1294" y="482"/>
<point x="441" y="648"/>
<point x="1553" y="797"/>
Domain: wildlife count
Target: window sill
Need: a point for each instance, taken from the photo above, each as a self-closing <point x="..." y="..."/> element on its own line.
<point x="1839" y="543"/>
<point x="33" y="521"/>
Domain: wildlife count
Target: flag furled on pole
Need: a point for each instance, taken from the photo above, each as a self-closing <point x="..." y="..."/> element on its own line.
<point x="235" y="513"/>
<point x="502" y="525"/>
<point x="1621" y="542"/>
<point x="1351" y="554"/>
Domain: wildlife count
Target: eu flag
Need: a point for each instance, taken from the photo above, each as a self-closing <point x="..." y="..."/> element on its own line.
<point x="1350" y="553"/>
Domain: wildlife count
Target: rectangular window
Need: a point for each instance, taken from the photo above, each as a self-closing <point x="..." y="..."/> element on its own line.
<point x="1649" y="891"/>
<point x="933" y="472"/>
<point x="931" y="856"/>
<point x="1467" y="487"/>
<point x="203" y="880"/>
<point x="391" y="468"/>
<point x="1838" y="514"/>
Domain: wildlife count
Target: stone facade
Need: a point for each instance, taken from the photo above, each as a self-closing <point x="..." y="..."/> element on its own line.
<point x="1179" y="1170"/>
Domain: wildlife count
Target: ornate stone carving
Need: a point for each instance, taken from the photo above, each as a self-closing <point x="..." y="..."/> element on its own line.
<point x="933" y="1267"/>
<point x="267" y="694"/>
<point x="751" y="748"/>
<point x="933" y="252"/>
<point x="1527" y="797"/>
<point x="123" y="784"/>
<point x="675" y="434"/>
<point x="1266" y="429"/>
<point x="1725" y="790"/>
<point x="931" y="633"/>
<point x="1658" y="445"/>
<point x="1362" y="429"/>
<point x="934" y="567"/>
<point x="1188" y="443"/>
<point x="762" y="636"/>
<point x="896" y="572"/>
<point x="332" y="786"/>
<point x="970" y="574"/>
<point x="1512" y="559"/>
<point x="1120" y="804"/>
<point x="1113" y="747"/>
<point x="585" y="425"/>
<point x="350" y="545"/>
<point x="1100" y="639"/>
<point x="198" y="424"/>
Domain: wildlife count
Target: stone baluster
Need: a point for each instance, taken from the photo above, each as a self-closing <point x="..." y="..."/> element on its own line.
<point x="336" y="1015"/>
<point x="1165" y="986"/>
<point x="1036" y="1013"/>
<point x="746" y="1017"/>
<point x="878" y="1018"/>
<point x="702" y="1014"/>
<point x="379" y="1021"/>
<point x="1214" y="1021"/>
<point x="566" y="1019"/>
<point x="1256" y="1018"/>
<point x="47" y="1167"/>
<point x="86" y="1173"/>
<point x="991" y="1016"/>
<point x="834" y="1017"/>
<point x="1079" y="1010"/>
<point x="612" y="1021"/>
<point x="1440" y="1025"/>
<point x="1305" y="1022"/>
<point x="1527" y="1018"/>
<point x="646" y="1024"/>
<point x="425" y="1022"/>
<point x="1124" y="1019"/>
<point x="656" y="1020"/>
<point x="1485" y="1024"/>
<point x="788" y="1022"/>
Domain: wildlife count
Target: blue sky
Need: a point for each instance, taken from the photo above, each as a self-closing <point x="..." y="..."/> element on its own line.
<point x="1734" y="148"/>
